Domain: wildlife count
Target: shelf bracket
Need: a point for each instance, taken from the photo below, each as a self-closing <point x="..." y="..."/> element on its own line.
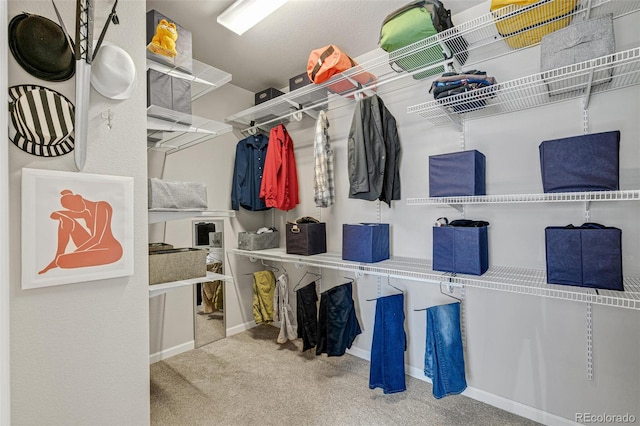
<point x="587" y="95"/>
<point x="587" y="211"/>
<point x="589" y="342"/>
<point x="459" y="207"/>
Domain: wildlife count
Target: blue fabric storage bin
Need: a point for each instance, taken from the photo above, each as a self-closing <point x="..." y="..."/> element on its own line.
<point x="461" y="249"/>
<point x="581" y="163"/>
<point x="586" y="256"/>
<point x="457" y="174"/>
<point x="365" y="242"/>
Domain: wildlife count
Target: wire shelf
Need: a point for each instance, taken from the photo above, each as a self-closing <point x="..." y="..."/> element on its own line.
<point x="507" y="279"/>
<point x="204" y="78"/>
<point x="171" y="131"/>
<point x="162" y="288"/>
<point x="626" y="195"/>
<point x="598" y="75"/>
<point x="468" y="43"/>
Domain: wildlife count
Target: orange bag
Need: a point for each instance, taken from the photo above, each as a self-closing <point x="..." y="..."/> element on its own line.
<point x="328" y="61"/>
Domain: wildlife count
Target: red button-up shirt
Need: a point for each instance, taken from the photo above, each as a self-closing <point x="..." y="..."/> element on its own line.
<point x="279" y="187"/>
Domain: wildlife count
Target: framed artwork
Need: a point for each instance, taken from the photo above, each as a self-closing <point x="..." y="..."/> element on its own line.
<point x="76" y="227"/>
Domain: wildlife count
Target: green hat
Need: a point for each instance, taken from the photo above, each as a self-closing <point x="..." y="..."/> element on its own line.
<point x="40" y="46"/>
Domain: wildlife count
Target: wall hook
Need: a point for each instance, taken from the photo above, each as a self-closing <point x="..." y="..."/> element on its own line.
<point x="109" y="116"/>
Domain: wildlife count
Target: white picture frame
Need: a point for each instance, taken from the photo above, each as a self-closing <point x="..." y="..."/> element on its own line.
<point x="76" y="227"/>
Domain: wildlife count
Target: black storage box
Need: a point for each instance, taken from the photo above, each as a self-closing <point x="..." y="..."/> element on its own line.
<point x="184" y="59"/>
<point x="299" y="81"/>
<point x="267" y="94"/>
<point x="169" y="92"/>
<point x="306" y="238"/>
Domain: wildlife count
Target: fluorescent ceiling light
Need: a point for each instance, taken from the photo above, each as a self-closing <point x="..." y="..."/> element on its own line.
<point x="244" y="14"/>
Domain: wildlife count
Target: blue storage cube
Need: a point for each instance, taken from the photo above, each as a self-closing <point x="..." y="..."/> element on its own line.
<point x="461" y="249"/>
<point x="365" y="242"/>
<point x="586" y="256"/>
<point x="457" y="174"/>
<point x="581" y="163"/>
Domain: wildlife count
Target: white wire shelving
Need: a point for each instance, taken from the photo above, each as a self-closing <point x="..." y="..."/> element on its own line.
<point x="171" y="131"/>
<point x="165" y="215"/>
<point x="580" y="80"/>
<point x="506" y="279"/>
<point x="162" y="288"/>
<point x="468" y="43"/>
<point x="624" y="195"/>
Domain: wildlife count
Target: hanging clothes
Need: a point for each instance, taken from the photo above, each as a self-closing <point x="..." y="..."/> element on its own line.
<point x="264" y="285"/>
<point x="279" y="187"/>
<point x="386" y="369"/>
<point x="307" y="315"/>
<point x="373" y="150"/>
<point x="338" y="324"/>
<point x="212" y="291"/>
<point x="283" y="311"/>
<point x="324" y="193"/>
<point x="444" y="357"/>
<point x="248" y="170"/>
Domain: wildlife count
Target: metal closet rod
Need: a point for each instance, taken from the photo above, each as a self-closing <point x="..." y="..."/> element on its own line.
<point x="356" y="270"/>
<point x="354" y="93"/>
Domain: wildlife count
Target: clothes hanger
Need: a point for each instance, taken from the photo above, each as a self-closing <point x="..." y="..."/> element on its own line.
<point x="304" y="275"/>
<point x="272" y="268"/>
<point x="450" y="294"/>
<point x="390" y="285"/>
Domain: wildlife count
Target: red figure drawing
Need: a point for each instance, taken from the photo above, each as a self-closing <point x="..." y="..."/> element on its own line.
<point x="86" y="224"/>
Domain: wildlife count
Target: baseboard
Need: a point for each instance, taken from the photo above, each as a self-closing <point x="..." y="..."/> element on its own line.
<point x="240" y="328"/>
<point x="482" y="396"/>
<point x="168" y="353"/>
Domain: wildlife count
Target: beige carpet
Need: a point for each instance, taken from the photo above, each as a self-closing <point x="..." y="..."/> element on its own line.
<point x="249" y="379"/>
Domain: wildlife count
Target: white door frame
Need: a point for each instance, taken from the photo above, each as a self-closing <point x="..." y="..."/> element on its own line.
<point x="5" y="416"/>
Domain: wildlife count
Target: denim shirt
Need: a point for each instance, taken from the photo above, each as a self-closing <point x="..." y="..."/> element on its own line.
<point x="247" y="173"/>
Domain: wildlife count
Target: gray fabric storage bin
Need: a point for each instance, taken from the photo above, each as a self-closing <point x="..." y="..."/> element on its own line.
<point x="159" y="246"/>
<point x="253" y="241"/>
<point x="215" y="239"/>
<point x="176" y="265"/>
<point x="578" y="42"/>
<point x="177" y="195"/>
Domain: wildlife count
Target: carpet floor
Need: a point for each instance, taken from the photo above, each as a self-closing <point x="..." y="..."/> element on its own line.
<point x="249" y="379"/>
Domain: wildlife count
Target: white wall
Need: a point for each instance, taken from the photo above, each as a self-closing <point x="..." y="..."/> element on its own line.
<point x="79" y="352"/>
<point x="5" y="403"/>
<point x="211" y="162"/>
<point x="523" y="353"/>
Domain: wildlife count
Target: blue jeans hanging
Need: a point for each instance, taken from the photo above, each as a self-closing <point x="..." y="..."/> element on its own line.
<point x="444" y="358"/>
<point x="386" y="369"/>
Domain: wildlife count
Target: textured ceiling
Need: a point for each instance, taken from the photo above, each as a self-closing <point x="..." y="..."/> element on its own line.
<point x="278" y="47"/>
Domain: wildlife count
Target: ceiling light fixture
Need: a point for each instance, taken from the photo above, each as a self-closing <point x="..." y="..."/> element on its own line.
<point x="244" y="14"/>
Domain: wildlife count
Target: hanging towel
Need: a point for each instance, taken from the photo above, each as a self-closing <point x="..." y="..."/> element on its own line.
<point x="264" y="285"/>
<point x="307" y="310"/>
<point x="386" y="369"/>
<point x="283" y="311"/>
<point x="338" y="324"/>
<point x="444" y="359"/>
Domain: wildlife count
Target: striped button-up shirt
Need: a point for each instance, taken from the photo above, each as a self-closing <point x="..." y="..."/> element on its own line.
<point x="323" y="185"/>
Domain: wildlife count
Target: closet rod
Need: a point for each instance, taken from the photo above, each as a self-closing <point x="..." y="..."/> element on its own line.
<point x="355" y="92"/>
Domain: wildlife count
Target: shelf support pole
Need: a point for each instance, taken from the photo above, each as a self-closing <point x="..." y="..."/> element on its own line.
<point x="589" y="342"/>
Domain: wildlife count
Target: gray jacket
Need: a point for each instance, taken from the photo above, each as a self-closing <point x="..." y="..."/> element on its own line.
<point x="373" y="152"/>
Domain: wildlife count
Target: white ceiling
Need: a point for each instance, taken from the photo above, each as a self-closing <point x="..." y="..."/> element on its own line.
<point x="277" y="48"/>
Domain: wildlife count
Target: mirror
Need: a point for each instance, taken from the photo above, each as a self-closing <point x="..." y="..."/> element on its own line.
<point x="209" y="322"/>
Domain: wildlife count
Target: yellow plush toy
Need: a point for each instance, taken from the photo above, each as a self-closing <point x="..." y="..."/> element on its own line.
<point x="164" y="40"/>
